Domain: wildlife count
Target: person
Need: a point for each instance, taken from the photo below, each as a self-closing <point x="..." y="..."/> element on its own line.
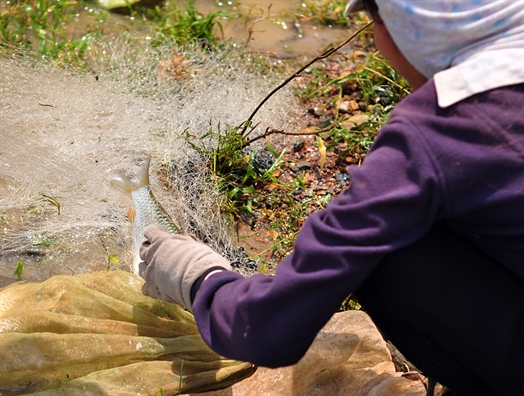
<point x="430" y="234"/>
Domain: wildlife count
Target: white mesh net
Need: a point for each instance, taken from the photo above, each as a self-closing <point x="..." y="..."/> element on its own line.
<point x="62" y="130"/>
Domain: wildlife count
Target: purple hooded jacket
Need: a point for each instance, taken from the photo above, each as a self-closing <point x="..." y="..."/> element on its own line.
<point x="461" y="167"/>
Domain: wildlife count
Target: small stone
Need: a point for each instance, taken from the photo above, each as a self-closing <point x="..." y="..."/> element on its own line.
<point x="299" y="145"/>
<point x="317" y="111"/>
<point x="341" y="178"/>
<point x="353" y="105"/>
<point x="360" y="119"/>
<point x="263" y="161"/>
<point x="355" y="120"/>
<point x="324" y="122"/>
<point x="357" y="95"/>
<point x="303" y="165"/>
<point x="344" y="107"/>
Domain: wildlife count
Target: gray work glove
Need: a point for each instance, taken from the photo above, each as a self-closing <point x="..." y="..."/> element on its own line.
<point x="172" y="263"/>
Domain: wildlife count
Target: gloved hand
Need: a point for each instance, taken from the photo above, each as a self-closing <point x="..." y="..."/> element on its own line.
<point x="172" y="263"/>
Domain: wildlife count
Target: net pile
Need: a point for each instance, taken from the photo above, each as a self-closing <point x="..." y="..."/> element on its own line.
<point x="62" y="131"/>
<point x="96" y="334"/>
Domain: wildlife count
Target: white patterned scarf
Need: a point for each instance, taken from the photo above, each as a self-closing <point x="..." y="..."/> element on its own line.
<point x="467" y="46"/>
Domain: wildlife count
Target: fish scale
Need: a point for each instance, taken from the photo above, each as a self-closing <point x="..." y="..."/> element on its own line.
<point x="147" y="209"/>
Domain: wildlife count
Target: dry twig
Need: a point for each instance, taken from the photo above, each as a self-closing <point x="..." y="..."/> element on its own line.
<point x="324" y="55"/>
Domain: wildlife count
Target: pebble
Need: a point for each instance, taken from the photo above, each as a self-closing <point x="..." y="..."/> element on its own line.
<point x="342" y="178"/>
<point x="344" y="106"/>
<point x="263" y="161"/>
<point x="354" y="105"/>
<point x="299" y="145"/>
<point x="303" y="165"/>
<point x="317" y="111"/>
<point x="355" y="120"/>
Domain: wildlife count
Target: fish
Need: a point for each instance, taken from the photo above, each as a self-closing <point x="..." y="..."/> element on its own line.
<point x="147" y="209"/>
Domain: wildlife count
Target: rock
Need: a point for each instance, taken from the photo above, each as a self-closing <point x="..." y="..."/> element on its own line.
<point x="355" y="120"/>
<point x="303" y="165"/>
<point x="348" y="357"/>
<point x="317" y="111"/>
<point x="353" y="105"/>
<point x="342" y="178"/>
<point x="263" y="161"/>
<point x="344" y="107"/>
<point x="298" y="145"/>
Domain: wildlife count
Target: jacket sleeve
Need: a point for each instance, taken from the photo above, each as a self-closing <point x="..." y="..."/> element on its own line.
<point x="393" y="200"/>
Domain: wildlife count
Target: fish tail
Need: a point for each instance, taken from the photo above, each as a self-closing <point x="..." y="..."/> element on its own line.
<point x="126" y="185"/>
<point x="143" y="175"/>
<point x="121" y="183"/>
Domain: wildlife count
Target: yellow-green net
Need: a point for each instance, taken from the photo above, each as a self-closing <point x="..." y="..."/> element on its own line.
<point x="97" y="334"/>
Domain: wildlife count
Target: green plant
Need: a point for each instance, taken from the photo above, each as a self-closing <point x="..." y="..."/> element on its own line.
<point x="378" y="81"/>
<point x="159" y="393"/>
<point x="325" y="12"/>
<point x="185" y="25"/>
<point x="112" y="259"/>
<point x="234" y="166"/>
<point x="350" y="303"/>
<point x="52" y="201"/>
<point x="42" y="240"/>
<point x="46" y="26"/>
<point x="19" y="269"/>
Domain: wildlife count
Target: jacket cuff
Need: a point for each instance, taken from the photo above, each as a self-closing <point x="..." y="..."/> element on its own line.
<point x="196" y="285"/>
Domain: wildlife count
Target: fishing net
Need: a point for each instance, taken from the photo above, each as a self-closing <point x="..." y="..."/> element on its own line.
<point x="62" y="131"/>
<point x="96" y="333"/>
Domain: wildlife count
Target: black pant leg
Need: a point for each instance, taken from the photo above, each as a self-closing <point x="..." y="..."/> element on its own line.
<point x="452" y="311"/>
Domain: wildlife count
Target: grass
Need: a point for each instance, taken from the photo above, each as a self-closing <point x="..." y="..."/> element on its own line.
<point x="46" y="27"/>
<point x="325" y="12"/>
<point x="19" y="269"/>
<point x="237" y="171"/>
<point x="185" y="24"/>
<point x="66" y="32"/>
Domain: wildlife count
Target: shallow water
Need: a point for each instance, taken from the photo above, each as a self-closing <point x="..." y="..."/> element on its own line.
<point x="281" y="32"/>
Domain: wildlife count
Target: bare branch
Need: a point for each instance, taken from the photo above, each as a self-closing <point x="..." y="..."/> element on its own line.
<point x="324" y="55"/>
<point x="271" y="131"/>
